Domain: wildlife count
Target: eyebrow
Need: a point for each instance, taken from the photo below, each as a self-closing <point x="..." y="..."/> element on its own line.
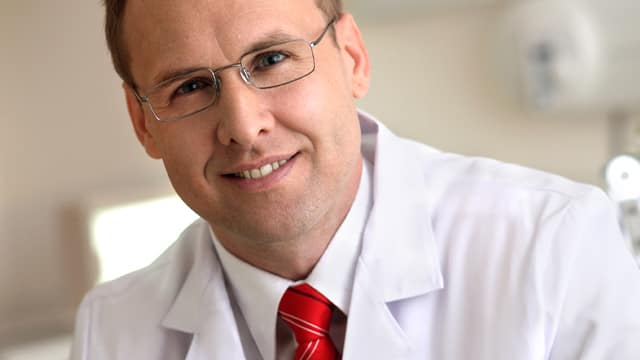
<point x="264" y="42"/>
<point x="269" y="40"/>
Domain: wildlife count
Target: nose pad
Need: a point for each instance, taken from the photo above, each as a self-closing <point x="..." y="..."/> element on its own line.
<point x="245" y="74"/>
<point x="217" y="83"/>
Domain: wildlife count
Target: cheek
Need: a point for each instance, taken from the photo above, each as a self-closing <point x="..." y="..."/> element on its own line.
<point x="185" y="151"/>
<point x="313" y="105"/>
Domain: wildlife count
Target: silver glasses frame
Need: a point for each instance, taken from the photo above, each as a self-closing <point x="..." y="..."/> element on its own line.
<point x="244" y="74"/>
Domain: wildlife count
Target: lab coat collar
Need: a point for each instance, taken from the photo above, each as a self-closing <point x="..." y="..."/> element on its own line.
<point x="399" y="256"/>
<point x="399" y="248"/>
<point x="202" y="306"/>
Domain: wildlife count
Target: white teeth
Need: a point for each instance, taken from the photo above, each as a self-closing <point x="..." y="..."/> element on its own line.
<point x="262" y="171"/>
<point x="266" y="170"/>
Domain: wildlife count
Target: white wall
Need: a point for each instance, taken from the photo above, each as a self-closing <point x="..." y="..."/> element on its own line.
<point x="65" y="136"/>
<point x="435" y="80"/>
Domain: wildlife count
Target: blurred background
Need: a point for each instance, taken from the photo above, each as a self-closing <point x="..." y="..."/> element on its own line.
<point x="553" y="85"/>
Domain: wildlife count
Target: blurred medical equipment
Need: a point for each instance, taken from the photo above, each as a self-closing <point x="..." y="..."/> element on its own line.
<point x="622" y="174"/>
<point x="572" y="54"/>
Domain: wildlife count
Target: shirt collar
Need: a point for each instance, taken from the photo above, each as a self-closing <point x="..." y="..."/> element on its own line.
<point x="249" y="283"/>
<point x="341" y="256"/>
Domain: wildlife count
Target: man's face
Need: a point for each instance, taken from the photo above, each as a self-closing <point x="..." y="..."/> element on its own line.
<point x="311" y="123"/>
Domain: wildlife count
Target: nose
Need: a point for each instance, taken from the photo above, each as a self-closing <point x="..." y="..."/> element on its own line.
<point x="244" y="118"/>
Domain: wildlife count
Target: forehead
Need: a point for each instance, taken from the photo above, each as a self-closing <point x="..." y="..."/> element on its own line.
<point x="164" y="35"/>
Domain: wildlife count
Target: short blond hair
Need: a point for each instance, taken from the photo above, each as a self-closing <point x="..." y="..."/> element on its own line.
<point x="114" y="14"/>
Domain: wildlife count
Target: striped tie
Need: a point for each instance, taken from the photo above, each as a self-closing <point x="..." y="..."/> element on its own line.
<point x="308" y="314"/>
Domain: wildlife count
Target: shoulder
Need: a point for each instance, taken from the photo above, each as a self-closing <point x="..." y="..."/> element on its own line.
<point x="488" y="184"/>
<point x="132" y="308"/>
<point x="476" y="194"/>
<point x="494" y="204"/>
<point x="518" y="220"/>
<point x="452" y="176"/>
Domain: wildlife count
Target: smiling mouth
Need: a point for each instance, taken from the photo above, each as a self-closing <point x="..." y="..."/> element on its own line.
<point x="262" y="171"/>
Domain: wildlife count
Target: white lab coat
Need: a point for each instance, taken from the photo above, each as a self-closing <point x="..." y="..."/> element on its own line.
<point x="462" y="258"/>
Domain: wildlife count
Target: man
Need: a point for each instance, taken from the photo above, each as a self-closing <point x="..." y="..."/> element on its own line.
<point x="322" y="234"/>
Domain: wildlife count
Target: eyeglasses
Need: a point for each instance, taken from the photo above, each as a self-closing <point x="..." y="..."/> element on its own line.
<point x="269" y="67"/>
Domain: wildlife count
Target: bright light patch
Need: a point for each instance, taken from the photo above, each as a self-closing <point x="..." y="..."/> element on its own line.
<point x="131" y="236"/>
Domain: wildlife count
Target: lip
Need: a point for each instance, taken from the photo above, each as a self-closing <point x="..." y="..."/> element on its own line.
<point x="257" y="164"/>
<point x="262" y="183"/>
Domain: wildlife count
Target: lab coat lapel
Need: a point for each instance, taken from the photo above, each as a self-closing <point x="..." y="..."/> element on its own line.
<point x="399" y="258"/>
<point x="202" y="307"/>
<point x="218" y="337"/>
<point x="372" y="332"/>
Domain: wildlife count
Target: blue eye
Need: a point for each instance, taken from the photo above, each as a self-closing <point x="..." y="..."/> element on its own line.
<point x="193" y="85"/>
<point x="270" y="59"/>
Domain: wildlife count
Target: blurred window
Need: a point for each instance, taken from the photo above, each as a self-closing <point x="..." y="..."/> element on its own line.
<point x="130" y="236"/>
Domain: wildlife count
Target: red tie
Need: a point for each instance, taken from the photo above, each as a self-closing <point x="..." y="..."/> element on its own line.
<point x="308" y="314"/>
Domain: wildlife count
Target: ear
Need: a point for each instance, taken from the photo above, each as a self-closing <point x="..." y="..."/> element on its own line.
<point x="357" y="59"/>
<point x="139" y="122"/>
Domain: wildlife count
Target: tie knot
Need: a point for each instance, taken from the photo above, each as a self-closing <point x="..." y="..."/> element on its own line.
<point x="308" y="314"/>
<point x="306" y="311"/>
